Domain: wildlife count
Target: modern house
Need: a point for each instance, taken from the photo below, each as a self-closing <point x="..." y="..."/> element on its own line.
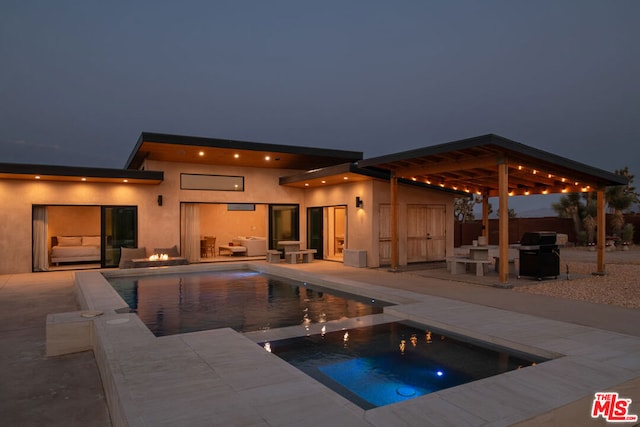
<point x="174" y="190"/>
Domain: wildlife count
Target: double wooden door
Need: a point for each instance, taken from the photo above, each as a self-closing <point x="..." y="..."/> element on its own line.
<point x="425" y="237"/>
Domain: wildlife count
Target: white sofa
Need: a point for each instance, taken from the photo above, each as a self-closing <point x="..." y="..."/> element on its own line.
<point x="256" y="246"/>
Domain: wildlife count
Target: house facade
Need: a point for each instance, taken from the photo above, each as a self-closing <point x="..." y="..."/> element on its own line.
<point x="174" y="190"/>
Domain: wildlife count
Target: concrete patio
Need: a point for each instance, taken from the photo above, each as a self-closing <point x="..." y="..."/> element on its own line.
<point x="222" y="378"/>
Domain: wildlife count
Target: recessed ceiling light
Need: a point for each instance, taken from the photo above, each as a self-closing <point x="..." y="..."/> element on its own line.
<point x="345" y="178"/>
<point x="84" y="179"/>
<point x="235" y="156"/>
<point x="37" y="176"/>
<point x="267" y="158"/>
<point x="201" y="153"/>
<point x="125" y="180"/>
<point x="306" y="184"/>
<point x="324" y="182"/>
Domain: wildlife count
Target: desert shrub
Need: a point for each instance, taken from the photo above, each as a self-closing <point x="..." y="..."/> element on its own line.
<point x="627" y="233"/>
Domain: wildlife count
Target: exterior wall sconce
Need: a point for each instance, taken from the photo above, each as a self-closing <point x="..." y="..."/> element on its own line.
<point x="160" y="200"/>
<point x="359" y="202"/>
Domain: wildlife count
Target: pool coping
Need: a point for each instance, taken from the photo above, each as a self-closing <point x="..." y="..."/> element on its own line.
<point x="223" y="375"/>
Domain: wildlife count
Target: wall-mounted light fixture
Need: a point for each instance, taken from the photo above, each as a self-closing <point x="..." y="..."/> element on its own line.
<point x="160" y="200"/>
<point x="359" y="202"/>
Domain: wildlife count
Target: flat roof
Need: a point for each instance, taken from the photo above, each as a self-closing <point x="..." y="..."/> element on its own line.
<point x="77" y="174"/>
<point x="190" y="149"/>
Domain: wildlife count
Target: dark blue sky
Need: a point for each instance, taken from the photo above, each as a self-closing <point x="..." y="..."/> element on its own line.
<point x="79" y="80"/>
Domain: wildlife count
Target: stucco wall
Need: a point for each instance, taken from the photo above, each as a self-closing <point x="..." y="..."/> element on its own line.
<point x="261" y="186"/>
<point x="358" y="225"/>
<point x="17" y="198"/>
<point x="363" y="223"/>
<point x="158" y="226"/>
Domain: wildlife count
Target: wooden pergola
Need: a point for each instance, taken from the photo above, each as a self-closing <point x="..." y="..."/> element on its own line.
<point x="493" y="166"/>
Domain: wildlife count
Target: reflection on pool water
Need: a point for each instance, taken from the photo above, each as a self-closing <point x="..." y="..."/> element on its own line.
<point x="243" y="300"/>
<point x="388" y="363"/>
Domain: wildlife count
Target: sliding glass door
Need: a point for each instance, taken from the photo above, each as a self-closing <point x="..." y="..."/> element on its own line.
<point x="284" y="224"/>
<point x="315" y="230"/>
<point x="119" y="229"/>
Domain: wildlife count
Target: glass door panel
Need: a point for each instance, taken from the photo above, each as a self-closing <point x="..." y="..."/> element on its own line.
<point x="119" y="228"/>
<point x="284" y="224"/>
<point x="314" y="230"/>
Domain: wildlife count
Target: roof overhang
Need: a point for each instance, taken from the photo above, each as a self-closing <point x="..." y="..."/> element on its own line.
<point x="337" y="174"/>
<point x="349" y="172"/>
<point x="32" y="172"/>
<point x="212" y="151"/>
<point x="471" y="165"/>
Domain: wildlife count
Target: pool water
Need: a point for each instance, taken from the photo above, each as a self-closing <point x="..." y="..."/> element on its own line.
<point x="388" y="363"/>
<point x="243" y="300"/>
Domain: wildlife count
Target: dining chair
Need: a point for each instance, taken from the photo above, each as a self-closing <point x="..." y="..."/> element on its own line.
<point x="210" y="243"/>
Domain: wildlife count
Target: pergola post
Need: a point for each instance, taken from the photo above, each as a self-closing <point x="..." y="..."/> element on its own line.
<point x="503" y="220"/>
<point x="394" y="220"/>
<point x="601" y="232"/>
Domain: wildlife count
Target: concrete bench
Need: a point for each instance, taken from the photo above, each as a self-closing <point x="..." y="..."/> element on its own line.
<point x="307" y="255"/>
<point x="458" y="265"/>
<point x="273" y="256"/>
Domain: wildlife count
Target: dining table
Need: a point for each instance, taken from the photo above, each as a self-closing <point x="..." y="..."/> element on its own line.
<point x="289" y="245"/>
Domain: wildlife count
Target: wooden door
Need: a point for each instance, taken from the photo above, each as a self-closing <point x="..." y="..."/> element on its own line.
<point x="425" y="233"/>
<point x="384" y="235"/>
<point x="436" y="233"/>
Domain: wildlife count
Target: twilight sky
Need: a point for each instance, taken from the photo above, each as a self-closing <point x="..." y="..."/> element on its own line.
<point x="80" y="80"/>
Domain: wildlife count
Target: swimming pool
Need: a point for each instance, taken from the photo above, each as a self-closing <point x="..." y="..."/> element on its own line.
<point x="391" y="362"/>
<point x="240" y="299"/>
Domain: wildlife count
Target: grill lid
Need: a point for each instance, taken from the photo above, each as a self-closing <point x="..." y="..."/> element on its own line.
<point x="538" y="238"/>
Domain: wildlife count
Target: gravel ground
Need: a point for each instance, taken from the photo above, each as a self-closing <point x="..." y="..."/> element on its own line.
<point x="620" y="285"/>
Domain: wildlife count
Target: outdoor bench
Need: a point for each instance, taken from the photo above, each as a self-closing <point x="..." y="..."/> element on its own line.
<point x="458" y="265"/>
<point x="273" y="256"/>
<point x="307" y="255"/>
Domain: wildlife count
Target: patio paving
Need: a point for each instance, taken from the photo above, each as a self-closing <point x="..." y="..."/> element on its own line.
<point x="67" y="390"/>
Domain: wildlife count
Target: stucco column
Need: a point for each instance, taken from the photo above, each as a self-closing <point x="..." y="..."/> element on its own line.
<point x="601" y="233"/>
<point x="394" y="220"/>
<point x="503" y="220"/>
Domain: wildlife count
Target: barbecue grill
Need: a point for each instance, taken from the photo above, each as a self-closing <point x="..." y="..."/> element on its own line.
<point x="539" y="255"/>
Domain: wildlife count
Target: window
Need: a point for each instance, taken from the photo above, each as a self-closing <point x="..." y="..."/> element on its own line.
<point x="211" y="182"/>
